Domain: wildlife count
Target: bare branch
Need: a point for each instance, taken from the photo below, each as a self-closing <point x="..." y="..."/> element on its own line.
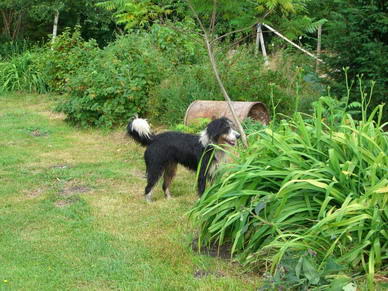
<point x="234" y="31"/>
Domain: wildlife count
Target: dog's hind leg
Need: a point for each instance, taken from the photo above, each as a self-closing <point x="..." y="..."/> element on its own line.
<point x="169" y="173"/>
<point x="153" y="176"/>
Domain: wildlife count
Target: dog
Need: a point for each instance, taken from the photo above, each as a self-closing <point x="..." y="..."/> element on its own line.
<point x="168" y="149"/>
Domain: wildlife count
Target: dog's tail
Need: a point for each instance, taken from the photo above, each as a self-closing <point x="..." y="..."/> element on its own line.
<point x="139" y="129"/>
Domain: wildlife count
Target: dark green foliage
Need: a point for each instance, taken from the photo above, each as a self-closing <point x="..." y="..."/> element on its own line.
<point x="356" y="37"/>
<point x="115" y="86"/>
<point x="9" y="49"/>
<point x="33" y="19"/>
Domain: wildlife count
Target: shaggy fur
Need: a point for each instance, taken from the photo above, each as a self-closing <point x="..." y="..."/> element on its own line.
<point x="166" y="150"/>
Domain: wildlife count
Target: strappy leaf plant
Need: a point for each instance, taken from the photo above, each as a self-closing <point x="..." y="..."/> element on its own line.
<point x="315" y="186"/>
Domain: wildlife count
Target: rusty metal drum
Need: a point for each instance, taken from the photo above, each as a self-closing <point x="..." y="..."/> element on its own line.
<point x="215" y="109"/>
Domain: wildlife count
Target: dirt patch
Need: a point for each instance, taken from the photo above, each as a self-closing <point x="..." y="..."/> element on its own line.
<point x="135" y="172"/>
<point x="70" y="190"/>
<point x="38" y="132"/>
<point x="202" y="273"/>
<point x="54" y="115"/>
<point x="213" y="250"/>
<point x="34" y="193"/>
<point x="62" y="203"/>
<point x="60" y="166"/>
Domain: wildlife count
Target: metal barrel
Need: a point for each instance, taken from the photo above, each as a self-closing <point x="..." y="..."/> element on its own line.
<point x="215" y="109"/>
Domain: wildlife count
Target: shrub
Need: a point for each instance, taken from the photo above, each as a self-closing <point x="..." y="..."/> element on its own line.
<point x="178" y="42"/>
<point x="307" y="199"/>
<point x="115" y="85"/>
<point x="57" y="62"/>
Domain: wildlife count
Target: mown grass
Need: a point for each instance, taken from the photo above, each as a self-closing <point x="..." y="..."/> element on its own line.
<point x="72" y="213"/>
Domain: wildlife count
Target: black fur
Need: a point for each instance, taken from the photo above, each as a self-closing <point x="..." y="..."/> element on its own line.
<point x="167" y="149"/>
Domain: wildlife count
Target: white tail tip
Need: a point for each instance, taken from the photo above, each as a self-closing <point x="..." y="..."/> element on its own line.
<point x="141" y="126"/>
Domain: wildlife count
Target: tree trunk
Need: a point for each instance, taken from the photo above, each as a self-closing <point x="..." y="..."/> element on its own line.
<point x="318" y="47"/>
<point x="55" y="26"/>
<point x="6" y="22"/>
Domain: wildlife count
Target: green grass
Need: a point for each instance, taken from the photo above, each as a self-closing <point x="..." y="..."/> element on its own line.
<point x="72" y="213"/>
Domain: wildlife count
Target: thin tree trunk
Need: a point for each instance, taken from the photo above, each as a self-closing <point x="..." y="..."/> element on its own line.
<point x="6" y="23"/>
<point x="55" y="26"/>
<point x="18" y="23"/>
<point x="217" y="75"/>
<point x="318" y="47"/>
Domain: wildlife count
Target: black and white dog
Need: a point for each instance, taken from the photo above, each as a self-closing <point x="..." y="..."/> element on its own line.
<point x="168" y="149"/>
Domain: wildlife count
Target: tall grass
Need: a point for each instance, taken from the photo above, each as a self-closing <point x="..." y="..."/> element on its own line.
<point x="18" y="73"/>
<point x="312" y="191"/>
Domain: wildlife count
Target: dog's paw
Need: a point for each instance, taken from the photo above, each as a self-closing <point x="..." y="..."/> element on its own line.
<point x="148" y="198"/>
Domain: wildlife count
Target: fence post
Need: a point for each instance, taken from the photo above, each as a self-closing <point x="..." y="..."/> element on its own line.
<point x="261" y="38"/>
<point x="318" y="47"/>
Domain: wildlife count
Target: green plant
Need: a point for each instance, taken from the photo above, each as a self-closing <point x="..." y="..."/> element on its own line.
<point x="308" y="185"/>
<point x="10" y="49"/>
<point x="251" y="126"/>
<point x="115" y="86"/>
<point x="18" y="73"/>
<point x="194" y="128"/>
<point x="64" y="58"/>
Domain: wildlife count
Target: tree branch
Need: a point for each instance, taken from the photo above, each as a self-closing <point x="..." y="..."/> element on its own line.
<point x="235" y="31"/>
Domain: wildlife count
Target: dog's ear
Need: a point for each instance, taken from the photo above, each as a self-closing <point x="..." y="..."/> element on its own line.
<point x="216" y="128"/>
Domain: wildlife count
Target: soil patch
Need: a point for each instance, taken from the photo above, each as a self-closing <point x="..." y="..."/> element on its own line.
<point x="213" y="250"/>
<point x="73" y="189"/>
<point x="202" y="273"/>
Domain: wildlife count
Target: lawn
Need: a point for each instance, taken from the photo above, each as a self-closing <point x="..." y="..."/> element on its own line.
<point x="73" y="217"/>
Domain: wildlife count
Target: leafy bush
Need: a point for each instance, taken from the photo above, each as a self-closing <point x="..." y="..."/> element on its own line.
<point x="18" y="73"/>
<point x="115" y="85"/>
<point x="178" y="42"/>
<point x="307" y="199"/>
<point x="57" y="62"/>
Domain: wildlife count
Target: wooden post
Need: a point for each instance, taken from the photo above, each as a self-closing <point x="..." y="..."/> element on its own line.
<point x="318" y="47"/>
<point x="294" y="44"/>
<point x="263" y="50"/>
<point x="257" y="40"/>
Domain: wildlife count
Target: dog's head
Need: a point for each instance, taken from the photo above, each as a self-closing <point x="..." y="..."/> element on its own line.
<point x="220" y="131"/>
